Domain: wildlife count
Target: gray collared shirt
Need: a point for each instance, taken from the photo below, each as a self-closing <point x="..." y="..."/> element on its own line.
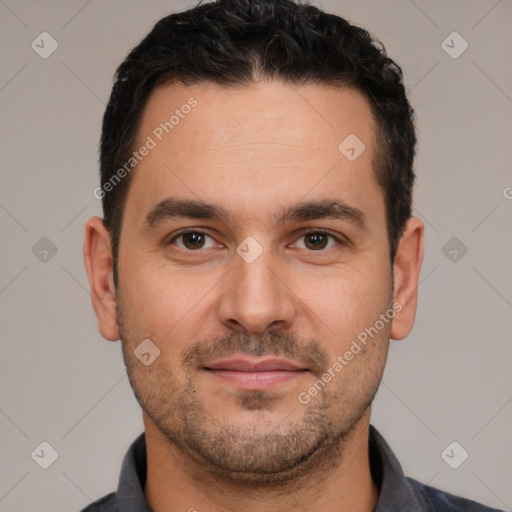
<point x="397" y="493"/>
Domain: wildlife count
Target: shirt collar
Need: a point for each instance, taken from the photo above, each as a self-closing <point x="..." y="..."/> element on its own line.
<point x="130" y="490"/>
<point x="395" y="491"/>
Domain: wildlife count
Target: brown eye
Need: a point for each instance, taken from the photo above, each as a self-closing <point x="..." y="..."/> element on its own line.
<point x="318" y="240"/>
<point x="192" y="240"/>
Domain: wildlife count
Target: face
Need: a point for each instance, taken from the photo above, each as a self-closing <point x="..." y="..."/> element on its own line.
<point x="253" y="253"/>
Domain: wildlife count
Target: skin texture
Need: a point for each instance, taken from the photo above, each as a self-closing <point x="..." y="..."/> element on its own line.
<point x="255" y="151"/>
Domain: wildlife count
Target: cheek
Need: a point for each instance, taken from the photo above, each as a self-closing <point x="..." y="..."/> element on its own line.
<point x="345" y="304"/>
<point x="162" y="304"/>
<point x="146" y="300"/>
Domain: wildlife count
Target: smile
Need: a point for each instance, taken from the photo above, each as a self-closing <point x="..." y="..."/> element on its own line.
<point x="253" y="375"/>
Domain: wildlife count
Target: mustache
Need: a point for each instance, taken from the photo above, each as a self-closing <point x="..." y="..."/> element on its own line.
<point x="279" y="344"/>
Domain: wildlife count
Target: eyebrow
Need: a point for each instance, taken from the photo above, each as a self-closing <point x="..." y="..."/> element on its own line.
<point x="170" y="208"/>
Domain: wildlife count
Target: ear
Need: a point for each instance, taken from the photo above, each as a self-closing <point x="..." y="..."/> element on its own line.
<point x="406" y="270"/>
<point x="99" y="265"/>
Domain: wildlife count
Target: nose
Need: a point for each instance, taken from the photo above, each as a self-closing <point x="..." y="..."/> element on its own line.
<point x="255" y="296"/>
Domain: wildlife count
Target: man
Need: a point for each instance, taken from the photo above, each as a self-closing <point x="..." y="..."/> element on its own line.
<point x="256" y="255"/>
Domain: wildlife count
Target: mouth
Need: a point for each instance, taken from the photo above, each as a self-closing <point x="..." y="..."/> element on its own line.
<point x="255" y="374"/>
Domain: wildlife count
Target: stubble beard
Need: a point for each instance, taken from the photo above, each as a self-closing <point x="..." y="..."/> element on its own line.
<point x="248" y="455"/>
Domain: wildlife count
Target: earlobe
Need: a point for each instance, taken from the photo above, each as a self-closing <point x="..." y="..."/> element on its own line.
<point x="406" y="272"/>
<point x="99" y="265"/>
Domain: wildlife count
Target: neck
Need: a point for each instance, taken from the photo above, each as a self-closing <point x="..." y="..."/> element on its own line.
<point x="341" y="482"/>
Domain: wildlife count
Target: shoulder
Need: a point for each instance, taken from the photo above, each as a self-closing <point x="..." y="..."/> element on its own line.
<point x="442" y="501"/>
<point x="106" y="504"/>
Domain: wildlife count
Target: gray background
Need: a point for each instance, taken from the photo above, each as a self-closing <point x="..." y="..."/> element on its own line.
<point x="63" y="384"/>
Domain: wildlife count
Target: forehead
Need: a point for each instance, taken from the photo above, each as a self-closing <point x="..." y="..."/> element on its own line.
<point x="310" y="118"/>
<point x="263" y="144"/>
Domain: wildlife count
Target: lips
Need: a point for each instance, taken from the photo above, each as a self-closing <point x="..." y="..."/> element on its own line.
<point x="253" y="374"/>
<point x="248" y="365"/>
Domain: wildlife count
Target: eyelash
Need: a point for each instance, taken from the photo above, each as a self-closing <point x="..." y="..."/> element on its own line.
<point x="338" y="239"/>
